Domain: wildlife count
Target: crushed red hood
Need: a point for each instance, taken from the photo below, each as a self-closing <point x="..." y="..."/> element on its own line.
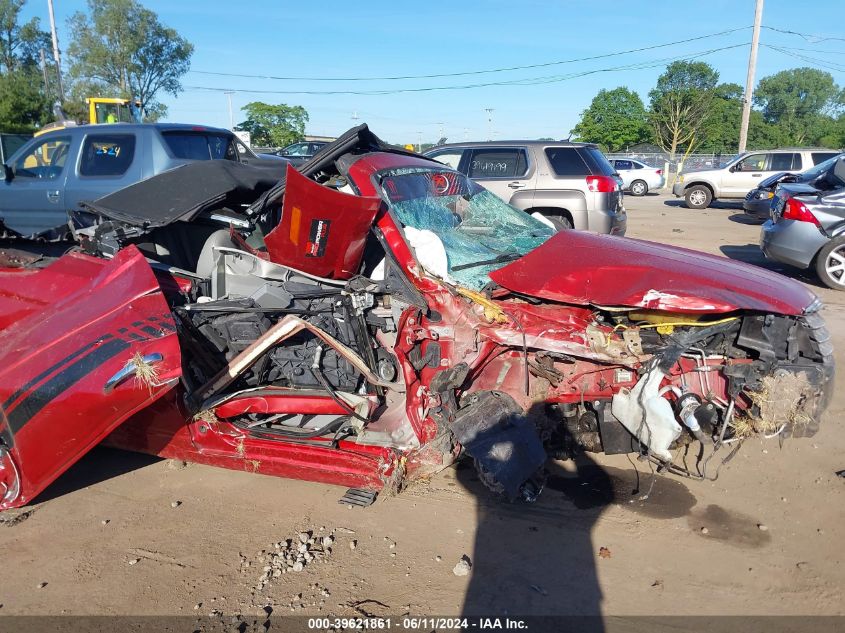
<point x="579" y="267"/>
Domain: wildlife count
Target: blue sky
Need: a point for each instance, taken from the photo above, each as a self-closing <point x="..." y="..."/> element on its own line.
<point x="385" y="39"/>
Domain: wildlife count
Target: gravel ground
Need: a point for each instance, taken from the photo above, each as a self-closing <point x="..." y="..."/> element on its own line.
<point x="128" y="534"/>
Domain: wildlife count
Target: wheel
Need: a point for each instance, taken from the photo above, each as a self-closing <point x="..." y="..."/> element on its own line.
<point x="560" y="222"/>
<point x="830" y="264"/>
<point x="639" y="188"/>
<point x="698" y="197"/>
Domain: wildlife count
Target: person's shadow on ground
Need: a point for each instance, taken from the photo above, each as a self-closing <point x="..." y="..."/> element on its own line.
<point x="539" y="559"/>
<point x="536" y="559"/>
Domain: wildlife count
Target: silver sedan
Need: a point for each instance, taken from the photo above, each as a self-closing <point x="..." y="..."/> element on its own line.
<point x="807" y="226"/>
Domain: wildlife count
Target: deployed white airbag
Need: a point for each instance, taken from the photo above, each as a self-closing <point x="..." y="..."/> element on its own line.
<point x="430" y="252"/>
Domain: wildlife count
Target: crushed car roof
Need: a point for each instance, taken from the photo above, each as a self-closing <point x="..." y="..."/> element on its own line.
<point x="357" y="140"/>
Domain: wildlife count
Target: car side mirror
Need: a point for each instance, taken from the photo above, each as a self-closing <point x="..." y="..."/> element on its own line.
<point x="732" y="168"/>
<point x="8" y="173"/>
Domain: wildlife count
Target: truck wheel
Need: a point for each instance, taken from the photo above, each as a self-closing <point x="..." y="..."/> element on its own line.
<point x="561" y="222"/>
<point x="698" y="197"/>
<point x="639" y="188"/>
<point x="830" y="264"/>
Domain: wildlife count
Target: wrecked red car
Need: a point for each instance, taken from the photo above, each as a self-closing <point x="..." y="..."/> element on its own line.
<point x="376" y="315"/>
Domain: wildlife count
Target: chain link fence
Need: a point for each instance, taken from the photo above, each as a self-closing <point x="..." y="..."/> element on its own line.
<point x="658" y="160"/>
<point x="662" y="160"/>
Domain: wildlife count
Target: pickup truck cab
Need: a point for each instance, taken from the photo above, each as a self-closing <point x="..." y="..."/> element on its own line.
<point x="50" y="175"/>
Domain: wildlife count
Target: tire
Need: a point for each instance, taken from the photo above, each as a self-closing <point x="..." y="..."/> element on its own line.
<point x="698" y="197"/>
<point x="562" y="223"/>
<point x="830" y="264"/>
<point x="639" y="188"/>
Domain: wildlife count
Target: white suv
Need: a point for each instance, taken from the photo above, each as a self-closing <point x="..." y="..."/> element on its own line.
<point x="742" y="174"/>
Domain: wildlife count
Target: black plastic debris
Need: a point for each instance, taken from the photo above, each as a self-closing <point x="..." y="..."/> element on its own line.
<point x="360" y="497"/>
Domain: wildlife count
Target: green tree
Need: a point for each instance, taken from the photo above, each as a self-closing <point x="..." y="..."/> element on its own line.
<point x="615" y="119"/>
<point x="23" y="104"/>
<point x="801" y="102"/>
<point x="834" y="135"/>
<point x="124" y="49"/>
<point x="19" y="43"/>
<point x="681" y="104"/>
<point x="721" y="134"/>
<point x="274" y="125"/>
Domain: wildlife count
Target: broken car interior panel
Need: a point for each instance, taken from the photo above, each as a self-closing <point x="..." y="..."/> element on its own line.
<point x="376" y="315"/>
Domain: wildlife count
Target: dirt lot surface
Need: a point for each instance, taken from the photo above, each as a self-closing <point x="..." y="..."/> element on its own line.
<point x="127" y="534"/>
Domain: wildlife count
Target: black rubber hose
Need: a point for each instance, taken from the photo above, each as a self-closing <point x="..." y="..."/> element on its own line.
<point x="321" y="378"/>
<point x="681" y="343"/>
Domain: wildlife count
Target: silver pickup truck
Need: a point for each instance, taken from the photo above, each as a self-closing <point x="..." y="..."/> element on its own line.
<point x="50" y="175"/>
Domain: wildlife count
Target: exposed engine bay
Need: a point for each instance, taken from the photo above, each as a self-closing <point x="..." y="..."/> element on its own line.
<point x="316" y="323"/>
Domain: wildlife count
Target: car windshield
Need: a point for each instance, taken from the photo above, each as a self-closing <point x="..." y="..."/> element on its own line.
<point x="479" y="232"/>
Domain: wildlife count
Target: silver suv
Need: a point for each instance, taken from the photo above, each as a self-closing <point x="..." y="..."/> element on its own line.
<point x="742" y="174"/>
<point x="568" y="185"/>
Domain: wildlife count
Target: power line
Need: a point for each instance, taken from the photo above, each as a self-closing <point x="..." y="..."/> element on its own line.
<point x="823" y="63"/>
<point x="513" y="82"/>
<point x="816" y="38"/>
<point x="474" y="72"/>
<point x="814" y="50"/>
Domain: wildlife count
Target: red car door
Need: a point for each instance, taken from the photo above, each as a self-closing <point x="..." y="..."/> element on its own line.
<point x="80" y="364"/>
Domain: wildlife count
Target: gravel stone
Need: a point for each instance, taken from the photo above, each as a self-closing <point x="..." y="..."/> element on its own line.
<point x="463" y="567"/>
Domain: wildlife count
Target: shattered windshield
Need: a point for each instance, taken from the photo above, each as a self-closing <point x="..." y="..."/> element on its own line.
<point x="478" y="231"/>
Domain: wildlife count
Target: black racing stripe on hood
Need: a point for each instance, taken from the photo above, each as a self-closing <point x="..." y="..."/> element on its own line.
<point x="61" y="382"/>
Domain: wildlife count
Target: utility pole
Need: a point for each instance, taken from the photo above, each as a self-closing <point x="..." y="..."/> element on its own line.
<point x="355" y="117"/>
<point x="419" y="142"/>
<point x="56" y="50"/>
<point x="44" y="72"/>
<point x="489" y="112"/>
<point x="229" y="94"/>
<point x="749" y="80"/>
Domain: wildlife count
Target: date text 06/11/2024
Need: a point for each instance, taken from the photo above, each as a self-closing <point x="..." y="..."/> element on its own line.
<point x="417" y="623"/>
